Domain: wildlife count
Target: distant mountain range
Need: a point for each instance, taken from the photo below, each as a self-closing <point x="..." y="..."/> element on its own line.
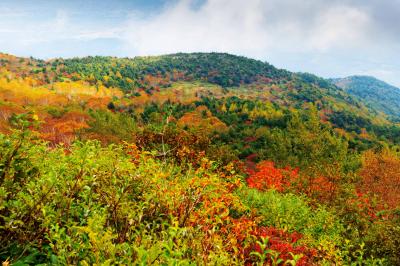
<point x="373" y="92"/>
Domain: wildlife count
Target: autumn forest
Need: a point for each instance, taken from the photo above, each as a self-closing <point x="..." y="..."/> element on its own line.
<point x="192" y="159"/>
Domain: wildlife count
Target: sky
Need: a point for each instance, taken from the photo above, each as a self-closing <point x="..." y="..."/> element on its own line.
<point x="330" y="38"/>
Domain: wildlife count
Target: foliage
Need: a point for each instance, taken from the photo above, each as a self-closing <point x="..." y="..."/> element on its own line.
<point x="293" y="214"/>
<point x="222" y="69"/>
<point x="266" y="176"/>
<point x="111" y="127"/>
<point x="378" y="94"/>
<point x="378" y="175"/>
<point x="191" y="159"/>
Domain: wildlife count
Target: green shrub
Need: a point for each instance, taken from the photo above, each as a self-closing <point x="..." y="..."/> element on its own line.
<point x="292" y="213"/>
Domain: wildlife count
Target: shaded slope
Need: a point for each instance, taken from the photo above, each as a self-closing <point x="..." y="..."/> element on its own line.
<point x="373" y="92"/>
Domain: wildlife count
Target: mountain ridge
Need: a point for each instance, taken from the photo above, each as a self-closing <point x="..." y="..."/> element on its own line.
<point x="374" y="92"/>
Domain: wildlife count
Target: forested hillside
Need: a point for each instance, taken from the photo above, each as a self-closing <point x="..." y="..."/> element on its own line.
<point x="202" y="158"/>
<point x="373" y="92"/>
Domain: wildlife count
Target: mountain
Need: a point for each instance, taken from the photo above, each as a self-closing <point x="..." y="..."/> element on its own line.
<point x="235" y="74"/>
<point x="186" y="78"/>
<point x="218" y="68"/>
<point x="373" y="92"/>
<point x="200" y="158"/>
<point x="129" y="84"/>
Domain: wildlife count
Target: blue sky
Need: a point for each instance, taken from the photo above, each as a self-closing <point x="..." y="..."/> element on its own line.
<point x="332" y="38"/>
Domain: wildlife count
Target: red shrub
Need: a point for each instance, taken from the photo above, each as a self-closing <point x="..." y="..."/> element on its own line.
<point x="267" y="176"/>
<point x="284" y="243"/>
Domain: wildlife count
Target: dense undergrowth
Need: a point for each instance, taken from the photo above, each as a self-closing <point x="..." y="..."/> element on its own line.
<point x="116" y="204"/>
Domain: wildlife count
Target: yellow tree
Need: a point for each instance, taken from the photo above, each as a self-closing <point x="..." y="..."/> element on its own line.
<point x="381" y="177"/>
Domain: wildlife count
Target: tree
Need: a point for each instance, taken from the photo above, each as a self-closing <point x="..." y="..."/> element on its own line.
<point x="267" y="176"/>
<point x="380" y="176"/>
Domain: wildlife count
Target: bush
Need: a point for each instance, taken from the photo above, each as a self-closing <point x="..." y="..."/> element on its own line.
<point x="292" y="213"/>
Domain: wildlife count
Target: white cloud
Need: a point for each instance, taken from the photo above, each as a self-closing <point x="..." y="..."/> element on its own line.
<point x="61" y="21"/>
<point x="340" y="26"/>
<point x="218" y="25"/>
<point x="251" y="27"/>
<point x="26" y="33"/>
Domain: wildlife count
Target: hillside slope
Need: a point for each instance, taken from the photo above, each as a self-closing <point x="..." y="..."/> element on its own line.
<point x="150" y="75"/>
<point x="373" y="92"/>
<point x="191" y="159"/>
<point x="131" y="84"/>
